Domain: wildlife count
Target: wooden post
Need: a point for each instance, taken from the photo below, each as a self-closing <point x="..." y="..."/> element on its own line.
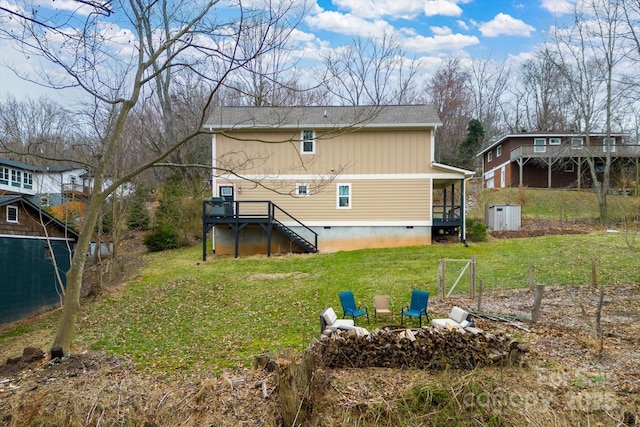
<point x="441" y="284"/>
<point x="480" y="297"/>
<point x="535" y="314"/>
<point x="593" y="272"/>
<point x="473" y="277"/>
<point x="530" y="276"/>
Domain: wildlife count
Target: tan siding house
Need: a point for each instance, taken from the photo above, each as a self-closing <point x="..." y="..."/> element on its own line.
<point x="357" y="176"/>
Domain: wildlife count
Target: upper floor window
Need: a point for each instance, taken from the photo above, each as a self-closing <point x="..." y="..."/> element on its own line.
<point x="12" y="214"/>
<point x="16" y="178"/>
<point x="499" y="151"/>
<point x="489" y="156"/>
<point x="73" y="179"/>
<point x="308" y="143"/>
<point x="554" y="141"/>
<point x="576" y="142"/>
<point x="27" y="180"/>
<point x="302" y="190"/>
<point x="344" y="196"/>
<point x="4" y="176"/>
<point x="539" y="145"/>
<point x="609" y="143"/>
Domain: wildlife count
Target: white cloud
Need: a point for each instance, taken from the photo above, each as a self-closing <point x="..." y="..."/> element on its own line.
<point x="463" y="25"/>
<point x="438" y="43"/>
<point x="375" y="9"/>
<point x="504" y="24"/>
<point x="559" y="7"/>
<point x="442" y="7"/>
<point x="348" y="24"/>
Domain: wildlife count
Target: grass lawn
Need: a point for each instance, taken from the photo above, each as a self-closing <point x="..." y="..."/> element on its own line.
<point x="180" y="313"/>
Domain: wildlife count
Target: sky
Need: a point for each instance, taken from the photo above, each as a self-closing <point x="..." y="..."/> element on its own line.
<point x="430" y="30"/>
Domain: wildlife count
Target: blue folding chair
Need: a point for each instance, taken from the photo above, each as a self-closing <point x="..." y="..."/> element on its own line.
<point x="349" y="306"/>
<point x="418" y="306"/>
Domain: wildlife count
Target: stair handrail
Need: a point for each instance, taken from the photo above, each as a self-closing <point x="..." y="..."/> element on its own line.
<point x="272" y="217"/>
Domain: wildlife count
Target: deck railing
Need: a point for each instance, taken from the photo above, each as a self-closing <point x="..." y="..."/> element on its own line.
<point x="258" y="211"/>
<point x="619" y="150"/>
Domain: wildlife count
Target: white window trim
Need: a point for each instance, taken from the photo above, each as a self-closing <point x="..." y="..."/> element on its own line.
<point x="499" y="151"/>
<point x="540" y="148"/>
<point x="489" y="156"/>
<point x="569" y="167"/>
<point x="350" y="200"/>
<point x="303" y="140"/>
<point x="302" y="184"/>
<point x="613" y="145"/>
<point x="555" y="141"/>
<point x="574" y="146"/>
<point x="15" y="210"/>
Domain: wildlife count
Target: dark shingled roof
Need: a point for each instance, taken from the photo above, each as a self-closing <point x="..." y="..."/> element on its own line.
<point x="11" y="199"/>
<point x="398" y="116"/>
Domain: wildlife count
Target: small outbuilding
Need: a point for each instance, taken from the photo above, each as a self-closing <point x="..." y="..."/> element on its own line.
<point x="35" y="254"/>
<point x="504" y="217"/>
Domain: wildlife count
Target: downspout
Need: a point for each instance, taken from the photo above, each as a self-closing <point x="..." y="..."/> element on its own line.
<point x="463" y="208"/>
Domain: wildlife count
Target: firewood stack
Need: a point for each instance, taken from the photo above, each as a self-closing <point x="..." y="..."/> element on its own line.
<point x="424" y="348"/>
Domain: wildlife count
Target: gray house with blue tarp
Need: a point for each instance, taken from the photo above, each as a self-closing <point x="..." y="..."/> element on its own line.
<point x="35" y="254"/>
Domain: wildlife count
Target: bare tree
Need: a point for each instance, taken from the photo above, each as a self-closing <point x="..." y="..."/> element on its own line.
<point x="545" y="98"/>
<point x="489" y="82"/>
<point x="449" y="91"/>
<point x="587" y="55"/>
<point x="159" y="39"/>
<point x="370" y="72"/>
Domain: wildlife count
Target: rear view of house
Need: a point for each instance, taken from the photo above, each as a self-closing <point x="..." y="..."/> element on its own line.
<point x="348" y="177"/>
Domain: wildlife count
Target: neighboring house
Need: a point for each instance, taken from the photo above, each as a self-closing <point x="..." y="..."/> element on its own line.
<point x="47" y="186"/>
<point x="554" y="159"/>
<point x="63" y="184"/>
<point x="35" y="254"/>
<point x="329" y="178"/>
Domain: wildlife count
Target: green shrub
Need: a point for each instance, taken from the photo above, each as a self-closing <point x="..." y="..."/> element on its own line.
<point x="476" y="230"/>
<point x="161" y="238"/>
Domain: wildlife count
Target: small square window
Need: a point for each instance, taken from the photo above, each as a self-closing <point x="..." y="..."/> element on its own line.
<point x="308" y="144"/>
<point x="12" y="214"/>
<point x="489" y="156"/>
<point x="576" y="142"/>
<point x="344" y="196"/>
<point x="302" y="190"/>
<point x="569" y="167"/>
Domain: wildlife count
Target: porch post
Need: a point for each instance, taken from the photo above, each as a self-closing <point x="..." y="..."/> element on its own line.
<point x="463" y="234"/>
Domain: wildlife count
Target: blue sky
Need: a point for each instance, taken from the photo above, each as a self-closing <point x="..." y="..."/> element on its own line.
<point x="430" y="30"/>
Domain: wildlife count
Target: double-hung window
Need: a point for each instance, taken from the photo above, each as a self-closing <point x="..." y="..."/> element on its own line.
<point x="308" y="142"/>
<point x="489" y="156"/>
<point x="16" y="178"/>
<point x="27" y="180"/>
<point x="609" y="144"/>
<point x="12" y="214"/>
<point x="344" y="196"/>
<point x="302" y="190"/>
<point x="499" y="151"/>
<point x="576" y="142"/>
<point x="540" y="145"/>
<point x="4" y="176"/>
